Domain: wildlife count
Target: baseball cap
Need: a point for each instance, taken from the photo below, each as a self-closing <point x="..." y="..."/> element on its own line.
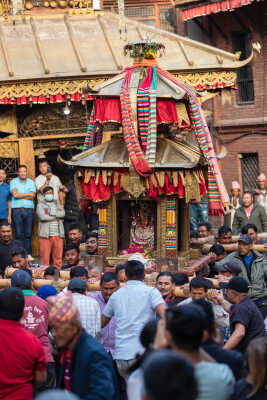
<point x="21" y="279"/>
<point x="238" y="284"/>
<point x="246" y="239"/>
<point x="229" y="266"/>
<point x="77" y="283"/>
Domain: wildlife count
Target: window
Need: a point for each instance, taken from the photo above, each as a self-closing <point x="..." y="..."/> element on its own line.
<point x="139" y="12"/>
<point x="245" y="86"/>
<point x="250" y="170"/>
<point x="167" y="18"/>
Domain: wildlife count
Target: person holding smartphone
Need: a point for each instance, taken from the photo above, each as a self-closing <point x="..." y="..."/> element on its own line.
<point x="47" y="178"/>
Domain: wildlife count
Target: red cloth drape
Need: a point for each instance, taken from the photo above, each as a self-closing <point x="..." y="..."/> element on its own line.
<point x="109" y="109"/>
<point x="100" y="192"/>
<point x="214" y="7"/>
<point x="166" y="111"/>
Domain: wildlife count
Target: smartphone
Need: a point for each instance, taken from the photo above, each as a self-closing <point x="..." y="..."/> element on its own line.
<point x="49" y="170"/>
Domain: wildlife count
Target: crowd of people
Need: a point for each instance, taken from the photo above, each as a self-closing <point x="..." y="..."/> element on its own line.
<point x="196" y="334"/>
<point x="56" y="210"/>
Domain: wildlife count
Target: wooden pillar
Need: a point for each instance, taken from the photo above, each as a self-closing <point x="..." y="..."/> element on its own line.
<point x="26" y="156"/>
<point x="114" y="227"/>
<point x="171" y="227"/>
<point x="184" y="214"/>
<point x="102" y="231"/>
<point x="161" y="227"/>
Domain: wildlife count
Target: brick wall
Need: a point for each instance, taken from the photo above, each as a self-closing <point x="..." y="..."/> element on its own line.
<point x="231" y="165"/>
<point x="250" y="114"/>
<point x="233" y="120"/>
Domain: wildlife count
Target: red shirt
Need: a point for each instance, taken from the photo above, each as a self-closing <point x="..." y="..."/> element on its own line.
<point x="21" y="354"/>
<point x="35" y="320"/>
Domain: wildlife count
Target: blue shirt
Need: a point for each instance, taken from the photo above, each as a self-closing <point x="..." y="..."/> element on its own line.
<point x="133" y="306"/>
<point x="28" y="186"/>
<point x="247" y="261"/>
<point x="5" y="197"/>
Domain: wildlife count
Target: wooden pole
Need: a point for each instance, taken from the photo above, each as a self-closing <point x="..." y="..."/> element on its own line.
<point x="262" y="248"/>
<point x="37" y="283"/>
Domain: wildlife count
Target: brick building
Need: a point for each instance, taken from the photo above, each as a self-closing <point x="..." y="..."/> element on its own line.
<point x="239" y="119"/>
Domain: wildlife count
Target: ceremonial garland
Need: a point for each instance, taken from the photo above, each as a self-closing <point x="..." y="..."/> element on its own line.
<point x="144" y="49"/>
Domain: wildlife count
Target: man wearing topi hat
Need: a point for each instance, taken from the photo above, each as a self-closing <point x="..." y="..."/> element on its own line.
<point x="260" y="193"/>
<point x="235" y="203"/>
<point x="85" y="367"/>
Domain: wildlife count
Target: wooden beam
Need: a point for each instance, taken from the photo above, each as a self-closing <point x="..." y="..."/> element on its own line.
<point x="115" y="58"/>
<point x="186" y="56"/>
<point x="141" y="36"/>
<point x="184" y="215"/>
<point x="5" y="51"/>
<point x="204" y="30"/>
<point x="218" y="28"/>
<point x="62" y="136"/>
<point x="241" y="23"/>
<point x="26" y="156"/>
<point x="39" y="46"/>
<point x="258" y="27"/>
<point x="74" y="43"/>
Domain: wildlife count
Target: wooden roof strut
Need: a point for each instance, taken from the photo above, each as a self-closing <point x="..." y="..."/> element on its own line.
<point x="39" y="46"/>
<point x="6" y="55"/>
<point x="115" y="58"/>
<point x="74" y="43"/>
<point x="182" y="47"/>
<point x="138" y="30"/>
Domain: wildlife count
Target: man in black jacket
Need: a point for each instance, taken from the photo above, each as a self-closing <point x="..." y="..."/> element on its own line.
<point x="86" y="368"/>
<point x="73" y="213"/>
<point x="7" y="246"/>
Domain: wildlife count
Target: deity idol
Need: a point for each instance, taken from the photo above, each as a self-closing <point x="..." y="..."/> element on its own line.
<point x="142" y="231"/>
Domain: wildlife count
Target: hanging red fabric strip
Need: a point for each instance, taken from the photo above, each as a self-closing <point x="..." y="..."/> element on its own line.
<point x="213" y="8"/>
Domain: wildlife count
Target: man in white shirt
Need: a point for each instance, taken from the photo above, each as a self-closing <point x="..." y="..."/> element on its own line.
<point x="90" y="314"/>
<point x="46" y="178"/>
<point x="132" y="306"/>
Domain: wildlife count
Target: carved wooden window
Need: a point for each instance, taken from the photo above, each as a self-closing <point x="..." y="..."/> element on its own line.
<point x="10" y="165"/>
<point x="142" y="12"/>
<point x="167" y="18"/>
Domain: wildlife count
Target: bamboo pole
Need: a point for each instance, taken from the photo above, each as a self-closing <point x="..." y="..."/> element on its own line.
<point x="262" y="248"/>
<point x="4" y="283"/>
<point x="260" y="235"/>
